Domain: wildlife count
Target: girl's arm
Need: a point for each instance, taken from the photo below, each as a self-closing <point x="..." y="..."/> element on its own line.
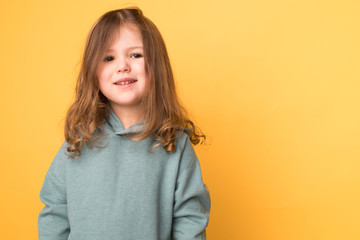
<point x="192" y="199"/>
<point x="53" y="219"/>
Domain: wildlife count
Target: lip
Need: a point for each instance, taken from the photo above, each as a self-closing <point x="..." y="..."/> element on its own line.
<point x="124" y="80"/>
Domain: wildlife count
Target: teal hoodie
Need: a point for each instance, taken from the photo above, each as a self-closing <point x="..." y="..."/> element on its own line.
<point x="125" y="192"/>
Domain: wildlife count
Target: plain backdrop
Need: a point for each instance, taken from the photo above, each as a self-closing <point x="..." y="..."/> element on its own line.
<point x="274" y="85"/>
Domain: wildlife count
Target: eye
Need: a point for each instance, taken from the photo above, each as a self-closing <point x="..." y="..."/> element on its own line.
<point x="136" y="55"/>
<point x="108" y="58"/>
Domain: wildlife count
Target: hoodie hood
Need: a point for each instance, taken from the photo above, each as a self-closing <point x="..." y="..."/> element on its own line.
<point x="118" y="127"/>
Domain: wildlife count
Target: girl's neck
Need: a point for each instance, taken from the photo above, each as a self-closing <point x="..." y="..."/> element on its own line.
<point x="127" y="115"/>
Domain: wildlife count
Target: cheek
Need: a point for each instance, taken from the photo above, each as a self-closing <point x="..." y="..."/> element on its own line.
<point x="101" y="78"/>
<point x="103" y="74"/>
<point x="139" y="67"/>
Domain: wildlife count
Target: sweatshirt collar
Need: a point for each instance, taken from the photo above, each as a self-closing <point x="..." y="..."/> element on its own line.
<point x="118" y="127"/>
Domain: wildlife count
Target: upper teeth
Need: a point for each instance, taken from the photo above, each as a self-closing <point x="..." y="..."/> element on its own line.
<point x="125" y="82"/>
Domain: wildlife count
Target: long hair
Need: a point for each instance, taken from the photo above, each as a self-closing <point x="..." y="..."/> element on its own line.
<point x="162" y="112"/>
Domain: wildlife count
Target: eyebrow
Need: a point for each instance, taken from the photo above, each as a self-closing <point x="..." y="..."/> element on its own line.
<point x="129" y="48"/>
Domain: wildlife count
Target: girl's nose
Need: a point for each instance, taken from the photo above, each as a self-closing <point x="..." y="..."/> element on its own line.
<point x="123" y="67"/>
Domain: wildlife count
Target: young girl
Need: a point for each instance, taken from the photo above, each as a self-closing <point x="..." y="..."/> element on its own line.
<point x="127" y="169"/>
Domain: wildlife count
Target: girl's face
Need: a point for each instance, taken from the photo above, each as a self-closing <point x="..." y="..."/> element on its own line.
<point x="121" y="72"/>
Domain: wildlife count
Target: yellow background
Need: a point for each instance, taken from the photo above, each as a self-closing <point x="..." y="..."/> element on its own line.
<point x="274" y="84"/>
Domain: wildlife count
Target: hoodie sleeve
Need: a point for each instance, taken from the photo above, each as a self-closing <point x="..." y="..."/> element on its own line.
<point x="53" y="221"/>
<point x="192" y="199"/>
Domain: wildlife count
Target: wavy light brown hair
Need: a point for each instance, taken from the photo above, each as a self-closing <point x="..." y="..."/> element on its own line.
<point x="162" y="111"/>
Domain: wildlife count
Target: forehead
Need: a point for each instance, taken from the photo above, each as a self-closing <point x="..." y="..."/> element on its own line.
<point x="127" y="34"/>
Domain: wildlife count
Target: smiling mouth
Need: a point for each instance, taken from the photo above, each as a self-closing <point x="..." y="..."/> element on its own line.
<point x="125" y="82"/>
